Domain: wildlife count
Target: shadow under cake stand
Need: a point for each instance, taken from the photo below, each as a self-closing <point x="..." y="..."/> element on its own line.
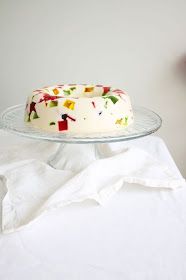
<point x="85" y="147"/>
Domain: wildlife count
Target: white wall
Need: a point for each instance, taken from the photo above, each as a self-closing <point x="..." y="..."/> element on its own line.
<point x="136" y="45"/>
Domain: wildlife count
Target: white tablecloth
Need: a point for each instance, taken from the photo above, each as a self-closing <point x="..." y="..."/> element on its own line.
<point x="139" y="234"/>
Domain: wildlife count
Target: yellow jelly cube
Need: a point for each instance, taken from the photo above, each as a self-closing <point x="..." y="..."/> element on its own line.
<point x="55" y="91"/>
<point x="119" y="121"/>
<point x="69" y="104"/>
<point x="122" y="121"/>
<point x="89" y="89"/>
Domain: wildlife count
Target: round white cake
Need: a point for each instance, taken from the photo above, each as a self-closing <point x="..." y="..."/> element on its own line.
<point x="79" y="108"/>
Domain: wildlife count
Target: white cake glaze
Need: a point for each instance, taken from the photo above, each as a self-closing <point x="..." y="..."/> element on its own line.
<point x="79" y="108"/>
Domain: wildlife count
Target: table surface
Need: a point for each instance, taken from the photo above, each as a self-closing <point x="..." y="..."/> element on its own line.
<point x="139" y="234"/>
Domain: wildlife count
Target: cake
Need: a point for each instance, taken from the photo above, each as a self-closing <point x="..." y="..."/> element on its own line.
<point x="79" y="108"/>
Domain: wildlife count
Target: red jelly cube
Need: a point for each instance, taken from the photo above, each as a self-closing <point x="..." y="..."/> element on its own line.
<point x="62" y="125"/>
<point x="32" y="107"/>
<point x="106" y="89"/>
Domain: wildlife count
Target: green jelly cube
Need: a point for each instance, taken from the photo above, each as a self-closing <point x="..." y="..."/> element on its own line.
<point x="114" y="99"/>
<point x="27" y="118"/>
<point x="66" y="92"/>
<point x="35" y="116"/>
<point x="53" y="103"/>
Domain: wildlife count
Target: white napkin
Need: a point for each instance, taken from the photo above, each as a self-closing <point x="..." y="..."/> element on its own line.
<point x="33" y="187"/>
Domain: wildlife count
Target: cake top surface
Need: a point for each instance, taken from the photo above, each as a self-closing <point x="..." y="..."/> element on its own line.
<point x="78" y="91"/>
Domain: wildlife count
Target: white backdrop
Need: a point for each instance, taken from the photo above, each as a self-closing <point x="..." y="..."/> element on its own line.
<point x="139" y="46"/>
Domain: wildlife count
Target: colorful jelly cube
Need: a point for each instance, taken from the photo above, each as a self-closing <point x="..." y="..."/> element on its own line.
<point x="106" y="104"/>
<point x="35" y="116"/>
<point x="66" y="92"/>
<point x="64" y="116"/>
<point x="62" y="125"/>
<point x="93" y="103"/>
<point x="119" y="121"/>
<point x="53" y="103"/>
<point x="106" y="89"/>
<point x="122" y="121"/>
<point x="89" y="89"/>
<point x="69" y="104"/>
<point x="27" y="118"/>
<point x="113" y="98"/>
<point x="55" y="91"/>
<point x="32" y="107"/>
<point x="71" y="118"/>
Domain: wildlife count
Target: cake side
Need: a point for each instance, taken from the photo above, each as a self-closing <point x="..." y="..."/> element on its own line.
<point x="79" y="109"/>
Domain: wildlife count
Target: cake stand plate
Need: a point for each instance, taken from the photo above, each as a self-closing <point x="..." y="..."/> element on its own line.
<point x="145" y="123"/>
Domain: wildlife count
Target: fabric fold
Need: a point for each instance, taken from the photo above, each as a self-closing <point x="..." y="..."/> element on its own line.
<point x="34" y="187"/>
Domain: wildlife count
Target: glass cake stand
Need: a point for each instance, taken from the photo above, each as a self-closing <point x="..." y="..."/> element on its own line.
<point x="145" y="123"/>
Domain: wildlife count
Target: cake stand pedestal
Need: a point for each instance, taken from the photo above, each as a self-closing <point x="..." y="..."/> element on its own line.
<point x="70" y="154"/>
<point x="76" y="157"/>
